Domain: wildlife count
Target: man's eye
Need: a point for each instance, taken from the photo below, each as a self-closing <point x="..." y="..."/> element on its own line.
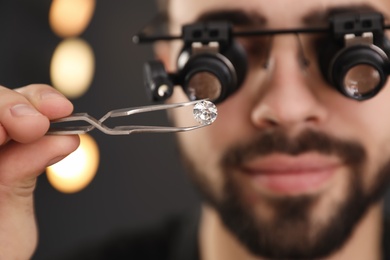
<point x="255" y="49"/>
<point x="314" y="43"/>
<point x="256" y="46"/>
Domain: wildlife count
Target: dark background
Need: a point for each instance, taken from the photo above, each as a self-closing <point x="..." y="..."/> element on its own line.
<point x="140" y="179"/>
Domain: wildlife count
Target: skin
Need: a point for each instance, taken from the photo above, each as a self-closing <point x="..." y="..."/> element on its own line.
<point x="281" y="97"/>
<point x="24" y="154"/>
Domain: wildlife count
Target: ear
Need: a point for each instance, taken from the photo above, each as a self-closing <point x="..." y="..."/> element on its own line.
<point x="163" y="52"/>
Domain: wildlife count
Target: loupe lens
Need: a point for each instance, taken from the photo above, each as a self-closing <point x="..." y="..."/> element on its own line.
<point x="204" y="85"/>
<point x="361" y="80"/>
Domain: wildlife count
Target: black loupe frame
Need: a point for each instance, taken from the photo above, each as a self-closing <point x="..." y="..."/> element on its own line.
<point x="355" y="39"/>
<point x="339" y="26"/>
<point x="354" y="56"/>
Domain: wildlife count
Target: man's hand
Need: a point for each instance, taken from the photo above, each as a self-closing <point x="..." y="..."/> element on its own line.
<point x="25" y="151"/>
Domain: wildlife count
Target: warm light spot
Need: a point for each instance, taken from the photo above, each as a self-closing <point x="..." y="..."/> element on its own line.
<point x="69" y="18"/>
<point x="72" y="67"/>
<point x="76" y="171"/>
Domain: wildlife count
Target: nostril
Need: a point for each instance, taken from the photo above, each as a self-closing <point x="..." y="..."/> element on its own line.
<point x="262" y="118"/>
<point x="287" y="114"/>
<point x="312" y="119"/>
<point x="271" y="122"/>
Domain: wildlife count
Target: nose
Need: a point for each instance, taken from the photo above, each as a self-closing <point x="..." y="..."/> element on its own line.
<point x="289" y="98"/>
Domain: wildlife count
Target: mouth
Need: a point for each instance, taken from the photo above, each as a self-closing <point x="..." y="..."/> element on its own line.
<point x="281" y="174"/>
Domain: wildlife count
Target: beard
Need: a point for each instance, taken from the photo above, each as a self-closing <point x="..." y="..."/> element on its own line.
<point x="292" y="233"/>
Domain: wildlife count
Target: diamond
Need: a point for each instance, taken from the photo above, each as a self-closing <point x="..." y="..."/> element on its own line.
<point x="205" y="112"/>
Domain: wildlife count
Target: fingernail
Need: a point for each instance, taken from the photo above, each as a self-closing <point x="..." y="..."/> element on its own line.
<point x="23" y="110"/>
<point x="51" y="94"/>
<point x="55" y="160"/>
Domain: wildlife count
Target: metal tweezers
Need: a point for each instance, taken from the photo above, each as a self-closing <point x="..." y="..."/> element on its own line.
<point x="123" y="129"/>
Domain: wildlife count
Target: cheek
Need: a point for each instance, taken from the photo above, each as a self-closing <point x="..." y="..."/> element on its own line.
<point x="198" y="147"/>
<point x="378" y="157"/>
<point x="367" y="122"/>
<point x="233" y="125"/>
<point x="203" y="155"/>
<point x="204" y="147"/>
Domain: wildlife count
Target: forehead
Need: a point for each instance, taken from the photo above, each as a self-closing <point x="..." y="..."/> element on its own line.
<point x="274" y="13"/>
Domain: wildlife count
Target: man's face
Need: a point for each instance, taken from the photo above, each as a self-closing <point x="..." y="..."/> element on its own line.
<point x="290" y="164"/>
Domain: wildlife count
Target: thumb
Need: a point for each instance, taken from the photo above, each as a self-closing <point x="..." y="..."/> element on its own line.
<point x="20" y="164"/>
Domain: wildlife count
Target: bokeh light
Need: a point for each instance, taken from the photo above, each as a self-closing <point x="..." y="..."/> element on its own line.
<point x="69" y="18"/>
<point x="76" y="171"/>
<point x="72" y="67"/>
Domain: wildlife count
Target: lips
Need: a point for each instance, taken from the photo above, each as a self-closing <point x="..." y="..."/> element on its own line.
<point x="282" y="174"/>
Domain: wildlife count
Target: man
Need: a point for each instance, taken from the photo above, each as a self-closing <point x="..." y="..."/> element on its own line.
<point x="292" y="169"/>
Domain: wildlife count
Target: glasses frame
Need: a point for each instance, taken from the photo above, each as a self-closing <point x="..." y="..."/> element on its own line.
<point x="346" y="30"/>
<point x="147" y="33"/>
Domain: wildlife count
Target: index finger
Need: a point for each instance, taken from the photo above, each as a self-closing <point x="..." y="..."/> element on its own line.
<point x="19" y="119"/>
<point x="47" y="100"/>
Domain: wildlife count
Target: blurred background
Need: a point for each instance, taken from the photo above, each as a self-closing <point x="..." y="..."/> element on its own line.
<point x="139" y="179"/>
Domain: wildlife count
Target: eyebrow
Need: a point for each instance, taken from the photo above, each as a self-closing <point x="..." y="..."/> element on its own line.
<point x="321" y="17"/>
<point x="314" y="18"/>
<point x="235" y="17"/>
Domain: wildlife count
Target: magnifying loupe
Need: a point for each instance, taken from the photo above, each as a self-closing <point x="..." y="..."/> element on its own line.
<point x="359" y="71"/>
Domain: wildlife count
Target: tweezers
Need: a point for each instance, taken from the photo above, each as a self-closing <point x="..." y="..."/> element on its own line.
<point x="123" y="129"/>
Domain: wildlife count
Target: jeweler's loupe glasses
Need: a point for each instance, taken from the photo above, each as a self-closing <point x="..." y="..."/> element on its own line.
<point x="354" y="57"/>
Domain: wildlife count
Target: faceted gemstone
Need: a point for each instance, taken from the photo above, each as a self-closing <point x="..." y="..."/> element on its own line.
<point x="205" y="112"/>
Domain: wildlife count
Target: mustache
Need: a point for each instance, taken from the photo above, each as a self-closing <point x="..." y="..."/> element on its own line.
<point x="277" y="141"/>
